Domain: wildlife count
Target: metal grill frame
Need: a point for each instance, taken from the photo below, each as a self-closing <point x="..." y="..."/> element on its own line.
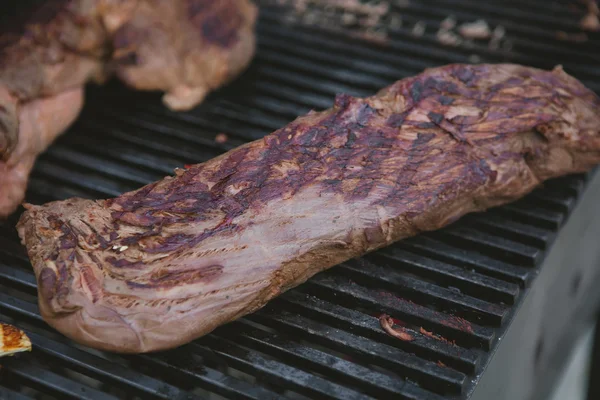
<point x="323" y="340"/>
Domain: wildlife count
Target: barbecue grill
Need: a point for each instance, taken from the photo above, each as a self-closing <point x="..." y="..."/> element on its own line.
<point x="493" y="302"/>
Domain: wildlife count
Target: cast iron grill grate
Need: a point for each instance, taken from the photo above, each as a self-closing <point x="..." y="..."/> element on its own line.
<point x="453" y="290"/>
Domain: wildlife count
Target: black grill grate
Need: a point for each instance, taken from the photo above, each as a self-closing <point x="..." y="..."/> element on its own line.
<point x="454" y="290"/>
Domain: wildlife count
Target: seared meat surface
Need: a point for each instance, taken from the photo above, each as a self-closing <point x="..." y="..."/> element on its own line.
<point x="12" y="341"/>
<point x="185" y="48"/>
<point x="158" y="267"/>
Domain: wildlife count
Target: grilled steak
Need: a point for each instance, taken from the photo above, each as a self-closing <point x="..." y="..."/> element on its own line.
<point x="160" y="266"/>
<point x="182" y="47"/>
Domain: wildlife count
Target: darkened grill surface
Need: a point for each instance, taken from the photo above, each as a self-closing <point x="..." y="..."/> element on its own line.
<point x="322" y="339"/>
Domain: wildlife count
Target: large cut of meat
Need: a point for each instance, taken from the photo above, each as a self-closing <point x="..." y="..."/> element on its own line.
<point x="185" y="48"/>
<point x="160" y="266"/>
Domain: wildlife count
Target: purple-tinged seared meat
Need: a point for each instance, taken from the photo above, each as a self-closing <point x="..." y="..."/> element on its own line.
<point x="160" y="266"/>
<point x="185" y="48"/>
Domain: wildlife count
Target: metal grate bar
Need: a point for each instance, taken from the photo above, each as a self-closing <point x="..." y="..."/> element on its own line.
<point x="452" y="291"/>
<point x="7" y="394"/>
<point x="106" y="370"/>
<point x="40" y="376"/>
<point x="438" y="379"/>
<point x="371" y="382"/>
<point x="501" y="248"/>
<point x="523" y="233"/>
<point x="331" y="287"/>
<point x="178" y="366"/>
<point x="431" y="348"/>
<point x="390" y="278"/>
<point x="467" y="281"/>
<point x="534" y="216"/>
<point x="284" y="375"/>
<point x="518" y="12"/>
<point x="94" y="366"/>
<point x="367" y="55"/>
<point x="525" y="36"/>
<point x="428" y="46"/>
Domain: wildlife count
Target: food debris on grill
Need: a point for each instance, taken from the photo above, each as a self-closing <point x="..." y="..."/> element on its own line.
<point x="446" y="35"/>
<point x="496" y="37"/>
<point x="448" y="23"/>
<point x="418" y="29"/>
<point x="475" y="30"/>
<point x="370" y="21"/>
<point x="434" y="336"/>
<point x="221" y="138"/>
<point x="579" y="37"/>
<point x="387" y="323"/>
<point x="465" y="34"/>
<point x="449" y="38"/>
<point x="459" y="323"/>
<point x="12" y="341"/>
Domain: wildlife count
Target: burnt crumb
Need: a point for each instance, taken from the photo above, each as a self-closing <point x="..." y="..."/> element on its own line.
<point x="419" y="29"/>
<point x="466" y="34"/>
<point x="387" y="323"/>
<point x="370" y="21"/>
<point x="448" y="23"/>
<point x="579" y="37"/>
<point x="475" y="30"/>
<point x="221" y="138"/>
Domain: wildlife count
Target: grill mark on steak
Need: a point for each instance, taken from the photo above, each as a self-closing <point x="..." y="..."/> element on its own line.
<point x="168" y="279"/>
<point x="327" y="187"/>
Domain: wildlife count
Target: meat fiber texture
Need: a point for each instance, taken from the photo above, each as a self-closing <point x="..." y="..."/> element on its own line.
<point x="185" y="48"/>
<point x="158" y="267"/>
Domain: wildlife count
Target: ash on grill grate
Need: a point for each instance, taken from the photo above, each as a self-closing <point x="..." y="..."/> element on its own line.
<point x="368" y="20"/>
<point x="454" y="291"/>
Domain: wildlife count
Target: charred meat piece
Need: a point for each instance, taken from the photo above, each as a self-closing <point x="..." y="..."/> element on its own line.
<point x="185" y="48"/>
<point x="160" y="266"/>
<point x="12" y="341"/>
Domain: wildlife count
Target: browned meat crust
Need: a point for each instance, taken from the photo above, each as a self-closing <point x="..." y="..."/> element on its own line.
<point x="185" y="48"/>
<point x="12" y="340"/>
<point x="160" y="266"/>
